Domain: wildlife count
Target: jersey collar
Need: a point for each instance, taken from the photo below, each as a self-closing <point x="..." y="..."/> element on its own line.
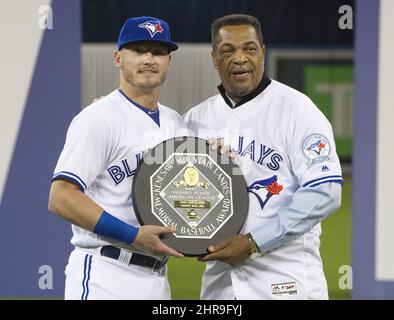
<point x="154" y="115"/>
<point x="264" y="83"/>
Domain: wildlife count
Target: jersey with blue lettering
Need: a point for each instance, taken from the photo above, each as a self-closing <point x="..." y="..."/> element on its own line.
<point x="103" y="147"/>
<point x="284" y="142"/>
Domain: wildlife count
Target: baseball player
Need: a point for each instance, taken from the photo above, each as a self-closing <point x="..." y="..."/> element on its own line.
<point x="286" y="150"/>
<point x="114" y="257"/>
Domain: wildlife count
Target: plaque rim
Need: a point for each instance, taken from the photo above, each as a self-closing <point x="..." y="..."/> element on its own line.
<point x="169" y="239"/>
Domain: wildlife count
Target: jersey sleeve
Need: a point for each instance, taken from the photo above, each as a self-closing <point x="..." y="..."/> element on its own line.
<point x="86" y="150"/>
<point x="312" y="149"/>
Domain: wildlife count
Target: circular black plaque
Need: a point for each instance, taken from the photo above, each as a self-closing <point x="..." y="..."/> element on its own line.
<point x="183" y="183"/>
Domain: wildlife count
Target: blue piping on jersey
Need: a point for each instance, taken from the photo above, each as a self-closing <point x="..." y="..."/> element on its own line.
<point x="325" y="181"/>
<point x="87" y="281"/>
<point x="72" y="177"/>
<point x="86" y="276"/>
<point x="324" y="178"/>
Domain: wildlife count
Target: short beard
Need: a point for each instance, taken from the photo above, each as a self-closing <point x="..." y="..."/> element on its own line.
<point x="148" y="86"/>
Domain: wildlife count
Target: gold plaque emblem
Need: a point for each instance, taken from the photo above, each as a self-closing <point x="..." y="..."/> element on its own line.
<point x="191" y="177"/>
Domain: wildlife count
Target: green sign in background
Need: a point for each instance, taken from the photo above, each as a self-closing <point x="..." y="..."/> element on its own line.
<point x="331" y="89"/>
<point x="325" y="79"/>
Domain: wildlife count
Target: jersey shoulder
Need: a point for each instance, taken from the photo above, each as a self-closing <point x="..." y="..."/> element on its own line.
<point x="98" y="113"/>
<point x="295" y="99"/>
<point x="105" y="105"/>
<point x="202" y="108"/>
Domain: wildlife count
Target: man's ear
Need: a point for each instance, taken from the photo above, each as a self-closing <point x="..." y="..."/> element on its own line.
<point x="118" y="58"/>
<point x="214" y="59"/>
<point x="263" y="48"/>
<point x="169" y="61"/>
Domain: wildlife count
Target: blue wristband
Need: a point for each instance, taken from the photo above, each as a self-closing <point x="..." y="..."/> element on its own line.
<point x="111" y="227"/>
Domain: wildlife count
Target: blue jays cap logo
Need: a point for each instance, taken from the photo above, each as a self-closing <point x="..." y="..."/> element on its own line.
<point x="139" y="29"/>
<point x="152" y="26"/>
<point x="264" y="189"/>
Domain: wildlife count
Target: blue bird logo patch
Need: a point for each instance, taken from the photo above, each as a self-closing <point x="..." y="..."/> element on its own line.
<point x="152" y="26"/>
<point x="269" y="187"/>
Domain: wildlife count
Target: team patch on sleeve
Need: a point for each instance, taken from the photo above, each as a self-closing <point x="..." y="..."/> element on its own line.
<point x="316" y="148"/>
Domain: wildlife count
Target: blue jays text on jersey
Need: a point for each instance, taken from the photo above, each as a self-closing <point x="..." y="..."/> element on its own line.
<point x="259" y="153"/>
<point x="124" y="169"/>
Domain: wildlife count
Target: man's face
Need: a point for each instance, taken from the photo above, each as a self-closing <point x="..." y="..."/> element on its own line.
<point x="239" y="58"/>
<point x="144" y="65"/>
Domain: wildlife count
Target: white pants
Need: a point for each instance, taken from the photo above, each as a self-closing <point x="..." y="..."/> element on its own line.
<point x="89" y="276"/>
<point x="291" y="272"/>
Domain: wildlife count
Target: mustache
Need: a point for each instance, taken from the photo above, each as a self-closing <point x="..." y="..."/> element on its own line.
<point x="151" y="69"/>
<point x="240" y="69"/>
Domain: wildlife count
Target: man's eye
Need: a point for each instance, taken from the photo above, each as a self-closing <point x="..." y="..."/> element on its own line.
<point x="155" y="52"/>
<point x="227" y="51"/>
<point x="160" y="52"/>
<point x="251" y="49"/>
<point x="140" y="51"/>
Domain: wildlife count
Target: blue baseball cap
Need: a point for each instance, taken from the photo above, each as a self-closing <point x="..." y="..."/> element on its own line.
<point x="146" y="29"/>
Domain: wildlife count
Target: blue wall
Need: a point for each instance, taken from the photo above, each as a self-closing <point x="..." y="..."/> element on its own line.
<point x="30" y="236"/>
<point x="364" y="215"/>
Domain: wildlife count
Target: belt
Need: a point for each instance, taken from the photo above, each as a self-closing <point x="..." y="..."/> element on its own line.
<point x="136" y="258"/>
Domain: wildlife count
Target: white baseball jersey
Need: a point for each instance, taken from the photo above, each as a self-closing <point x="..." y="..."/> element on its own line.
<point x="285" y="142"/>
<point x="104" y="144"/>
